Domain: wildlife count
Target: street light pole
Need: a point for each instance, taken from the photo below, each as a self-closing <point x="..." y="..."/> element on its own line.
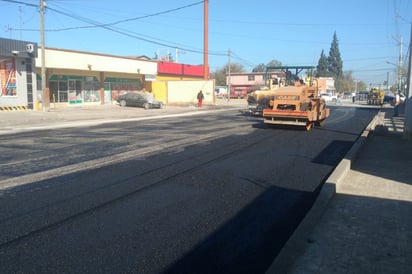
<point x="43" y="58"/>
<point x="399" y="74"/>
<point x="206" y="40"/>
<point x="229" y="86"/>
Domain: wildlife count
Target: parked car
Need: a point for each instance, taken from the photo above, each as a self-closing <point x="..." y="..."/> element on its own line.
<point x="137" y="99"/>
<point x="388" y="98"/>
<point x="329" y="97"/>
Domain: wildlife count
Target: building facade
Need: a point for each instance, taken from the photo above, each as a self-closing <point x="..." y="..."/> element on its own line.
<point x="76" y="77"/>
<point x="326" y="85"/>
<point x="17" y="74"/>
<point x="243" y="83"/>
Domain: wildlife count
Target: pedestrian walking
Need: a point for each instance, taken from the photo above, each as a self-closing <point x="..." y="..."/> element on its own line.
<point x="338" y="99"/>
<point x="200" y="98"/>
<point x="396" y="103"/>
<point x="353" y="97"/>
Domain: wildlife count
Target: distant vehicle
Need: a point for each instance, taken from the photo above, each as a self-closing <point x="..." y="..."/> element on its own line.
<point x="221" y="91"/>
<point x="137" y="99"/>
<point x="238" y="93"/>
<point x="388" y="99"/>
<point x="328" y="97"/>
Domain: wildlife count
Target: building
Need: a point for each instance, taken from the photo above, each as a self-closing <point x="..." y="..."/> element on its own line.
<point x="77" y="77"/>
<point x="325" y="85"/>
<point x="17" y="74"/>
<point x="243" y="83"/>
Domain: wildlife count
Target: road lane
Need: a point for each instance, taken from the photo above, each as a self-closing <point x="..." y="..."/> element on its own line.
<point x="237" y="196"/>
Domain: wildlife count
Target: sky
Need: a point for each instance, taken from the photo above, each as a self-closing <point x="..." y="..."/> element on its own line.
<point x="371" y="33"/>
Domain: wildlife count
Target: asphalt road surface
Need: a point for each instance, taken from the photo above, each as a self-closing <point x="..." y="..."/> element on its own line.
<point x="213" y="193"/>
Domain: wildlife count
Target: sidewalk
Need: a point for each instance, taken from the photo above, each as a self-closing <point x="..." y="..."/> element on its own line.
<point x="366" y="226"/>
<point x="60" y="116"/>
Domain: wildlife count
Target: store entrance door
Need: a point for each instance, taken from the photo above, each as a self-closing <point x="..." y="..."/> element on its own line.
<point x="107" y="93"/>
<point x="75" y="92"/>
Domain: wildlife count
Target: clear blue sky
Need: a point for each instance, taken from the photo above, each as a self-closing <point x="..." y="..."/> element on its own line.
<point x="293" y="32"/>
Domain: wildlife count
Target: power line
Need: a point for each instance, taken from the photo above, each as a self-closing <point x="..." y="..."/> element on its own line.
<point x="21" y="3"/>
<point x="110" y="27"/>
<point x="248" y="63"/>
<point x="134" y="35"/>
<point x="125" y="20"/>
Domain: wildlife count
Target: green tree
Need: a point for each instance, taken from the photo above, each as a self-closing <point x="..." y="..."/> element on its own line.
<point x="322" y="67"/>
<point x="274" y="63"/>
<point x="261" y="67"/>
<point x="335" y="63"/>
<point x="219" y="76"/>
<point x="234" y="67"/>
<point x="362" y="86"/>
<point x="346" y="82"/>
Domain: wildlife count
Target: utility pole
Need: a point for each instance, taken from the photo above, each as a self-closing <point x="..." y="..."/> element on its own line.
<point x="20" y="21"/>
<point x="387" y="80"/>
<point x="43" y="58"/>
<point x="177" y="55"/>
<point x="206" y="40"/>
<point x="229" y="86"/>
<point x="400" y="66"/>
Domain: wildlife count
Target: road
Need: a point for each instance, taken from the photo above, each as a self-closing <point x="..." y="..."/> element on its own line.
<point x="217" y="193"/>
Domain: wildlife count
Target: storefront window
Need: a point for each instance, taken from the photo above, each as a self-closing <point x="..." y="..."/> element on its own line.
<point x="8" y="77"/>
<point x="121" y="86"/>
<point x="63" y="98"/>
<point x="91" y="90"/>
<point x="75" y="92"/>
<point x="58" y="91"/>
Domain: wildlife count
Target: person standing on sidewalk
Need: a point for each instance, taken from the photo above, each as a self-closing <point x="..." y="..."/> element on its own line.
<point x="200" y="98"/>
<point x="396" y="103"/>
<point x="338" y="99"/>
<point x="353" y="97"/>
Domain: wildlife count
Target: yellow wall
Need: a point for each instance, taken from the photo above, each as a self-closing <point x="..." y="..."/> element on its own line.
<point x="159" y="90"/>
<point x="181" y="92"/>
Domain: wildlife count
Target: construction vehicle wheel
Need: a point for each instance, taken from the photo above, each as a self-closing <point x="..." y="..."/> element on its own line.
<point x="309" y="125"/>
<point x="320" y="123"/>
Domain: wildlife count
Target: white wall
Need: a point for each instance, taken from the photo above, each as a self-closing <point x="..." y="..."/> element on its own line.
<point x="65" y="59"/>
<point x="21" y="87"/>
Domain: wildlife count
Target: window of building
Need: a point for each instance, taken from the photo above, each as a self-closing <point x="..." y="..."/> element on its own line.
<point x="251" y="77"/>
<point x="8" y="77"/>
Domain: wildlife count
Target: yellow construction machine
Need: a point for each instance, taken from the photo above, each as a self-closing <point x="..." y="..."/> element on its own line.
<point x="297" y="105"/>
<point x="376" y="96"/>
<point x="276" y="77"/>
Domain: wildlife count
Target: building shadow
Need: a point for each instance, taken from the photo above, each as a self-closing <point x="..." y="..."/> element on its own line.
<point x="250" y="241"/>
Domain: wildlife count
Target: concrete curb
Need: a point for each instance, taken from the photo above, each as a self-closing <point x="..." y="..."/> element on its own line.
<point x="295" y="246"/>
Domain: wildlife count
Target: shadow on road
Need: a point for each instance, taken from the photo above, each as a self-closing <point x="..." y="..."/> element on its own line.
<point x="250" y="241"/>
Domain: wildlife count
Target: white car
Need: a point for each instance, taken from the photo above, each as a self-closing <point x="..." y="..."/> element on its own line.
<point x="329" y="97"/>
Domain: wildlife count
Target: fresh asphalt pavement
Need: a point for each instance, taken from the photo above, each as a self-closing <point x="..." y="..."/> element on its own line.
<point x="362" y="224"/>
<point x="361" y="221"/>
